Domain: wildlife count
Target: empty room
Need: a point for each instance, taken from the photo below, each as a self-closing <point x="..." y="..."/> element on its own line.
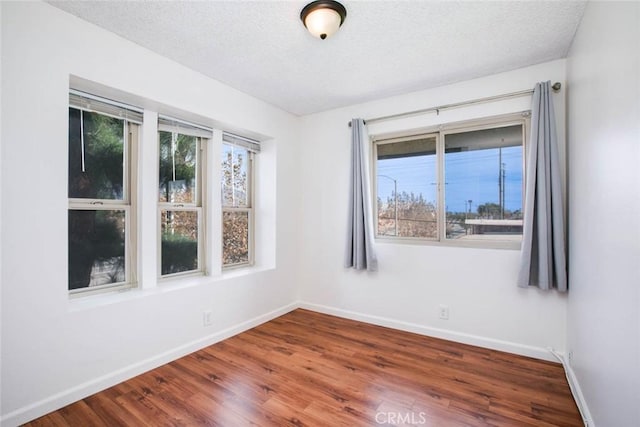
<point x="320" y="213"/>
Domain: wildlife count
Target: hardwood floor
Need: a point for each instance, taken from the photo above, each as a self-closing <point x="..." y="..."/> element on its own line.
<point x="310" y="369"/>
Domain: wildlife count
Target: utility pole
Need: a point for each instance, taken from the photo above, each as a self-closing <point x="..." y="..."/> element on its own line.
<point x="501" y="180"/>
<point x="504" y="175"/>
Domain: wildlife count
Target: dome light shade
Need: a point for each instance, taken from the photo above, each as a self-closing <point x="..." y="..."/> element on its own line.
<point x="323" y="17"/>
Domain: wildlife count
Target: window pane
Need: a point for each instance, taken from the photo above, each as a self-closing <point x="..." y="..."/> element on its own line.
<point x="235" y="179"/>
<point x="235" y="238"/>
<point x="179" y="247"/>
<point x="483" y="175"/>
<point x="96" y="247"/>
<point x="178" y="162"/>
<point x="407" y="191"/>
<point x="96" y="161"/>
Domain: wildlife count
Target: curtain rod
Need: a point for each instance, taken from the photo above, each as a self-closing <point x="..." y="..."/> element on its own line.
<point x="556" y="87"/>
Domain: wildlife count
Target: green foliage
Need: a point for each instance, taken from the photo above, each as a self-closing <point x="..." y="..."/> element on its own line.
<point x="95" y="238"/>
<point x="179" y="253"/>
<point x="103" y="148"/>
<point x="489" y="210"/>
<point x="494" y="211"/>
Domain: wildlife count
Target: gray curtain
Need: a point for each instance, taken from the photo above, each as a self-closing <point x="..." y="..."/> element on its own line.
<point x="543" y="261"/>
<point x="360" y="252"/>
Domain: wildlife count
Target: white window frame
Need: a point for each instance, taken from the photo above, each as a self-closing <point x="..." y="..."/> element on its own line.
<point x="203" y="136"/>
<point x="132" y="119"/>
<point x="440" y="132"/>
<point x="252" y="148"/>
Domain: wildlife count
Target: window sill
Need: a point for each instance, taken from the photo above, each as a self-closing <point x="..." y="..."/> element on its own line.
<point x="466" y="243"/>
<point x="160" y="287"/>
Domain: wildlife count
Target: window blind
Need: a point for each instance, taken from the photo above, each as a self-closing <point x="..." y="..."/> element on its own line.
<point x="92" y="103"/>
<point x="170" y="124"/>
<point x="241" y="141"/>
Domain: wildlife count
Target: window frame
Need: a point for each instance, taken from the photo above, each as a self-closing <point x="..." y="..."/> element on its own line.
<point x="439" y="132"/>
<point x="199" y="206"/>
<point x="249" y="208"/>
<point x="128" y="204"/>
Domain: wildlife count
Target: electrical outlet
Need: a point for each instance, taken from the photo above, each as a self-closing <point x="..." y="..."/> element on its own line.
<point x="570" y="356"/>
<point x="444" y="312"/>
<point x="207" y="318"/>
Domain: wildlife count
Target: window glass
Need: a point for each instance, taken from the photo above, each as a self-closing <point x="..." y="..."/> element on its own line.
<point x="463" y="182"/>
<point x="179" y="241"/>
<point x="236" y="205"/>
<point x="406" y="188"/>
<point x="96" y="248"/>
<point x="235" y="237"/>
<point x="180" y="203"/>
<point x="96" y="156"/>
<point x="483" y="176"/>
<point x="178" y="167"/>
<point x="235" y="184"/>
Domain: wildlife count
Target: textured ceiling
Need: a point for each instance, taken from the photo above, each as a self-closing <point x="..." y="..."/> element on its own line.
<point x="384" y="48"/>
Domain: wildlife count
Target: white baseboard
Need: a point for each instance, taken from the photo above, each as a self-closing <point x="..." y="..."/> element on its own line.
<point x="576" y="391"/>
<point x="490" y="343"/>
<point x="44" y="406"/>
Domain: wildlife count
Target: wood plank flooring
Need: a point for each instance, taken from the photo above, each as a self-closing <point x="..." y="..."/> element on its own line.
<point x="310" y="369"/>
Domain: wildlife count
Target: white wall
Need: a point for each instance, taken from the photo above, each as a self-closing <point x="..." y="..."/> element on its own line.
<point x="479" y="285"/>
<point x="55" y="350"/>
<point x="1" y="56"/>
<point x="604" y="199"/>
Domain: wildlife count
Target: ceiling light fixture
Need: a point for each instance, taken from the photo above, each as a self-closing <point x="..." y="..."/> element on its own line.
<point x="323" y="17"/>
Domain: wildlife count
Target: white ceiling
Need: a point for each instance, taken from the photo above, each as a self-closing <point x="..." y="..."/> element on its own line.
<point x="384" y="48"/>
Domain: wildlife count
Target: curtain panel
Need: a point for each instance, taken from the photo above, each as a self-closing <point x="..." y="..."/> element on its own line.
<point x="360" y="253"/>
<point x="543" y="259"/>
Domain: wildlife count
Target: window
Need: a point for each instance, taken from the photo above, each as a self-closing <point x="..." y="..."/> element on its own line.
<point x="237" y="200"/>
<point x="462" y="183"/>
<point x="180" y="198"/>
<point x="195" y="233"/>
<point x="102" y="145"/>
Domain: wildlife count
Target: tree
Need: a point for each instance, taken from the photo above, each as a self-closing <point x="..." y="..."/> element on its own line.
<point x="489" y="210"/>
<point x="235" y="194"/>
<point x="416" y="216"/>
<point x="234" y="177"/>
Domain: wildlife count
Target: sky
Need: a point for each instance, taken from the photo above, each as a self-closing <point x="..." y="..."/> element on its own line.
<point x="469" y="175"/>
